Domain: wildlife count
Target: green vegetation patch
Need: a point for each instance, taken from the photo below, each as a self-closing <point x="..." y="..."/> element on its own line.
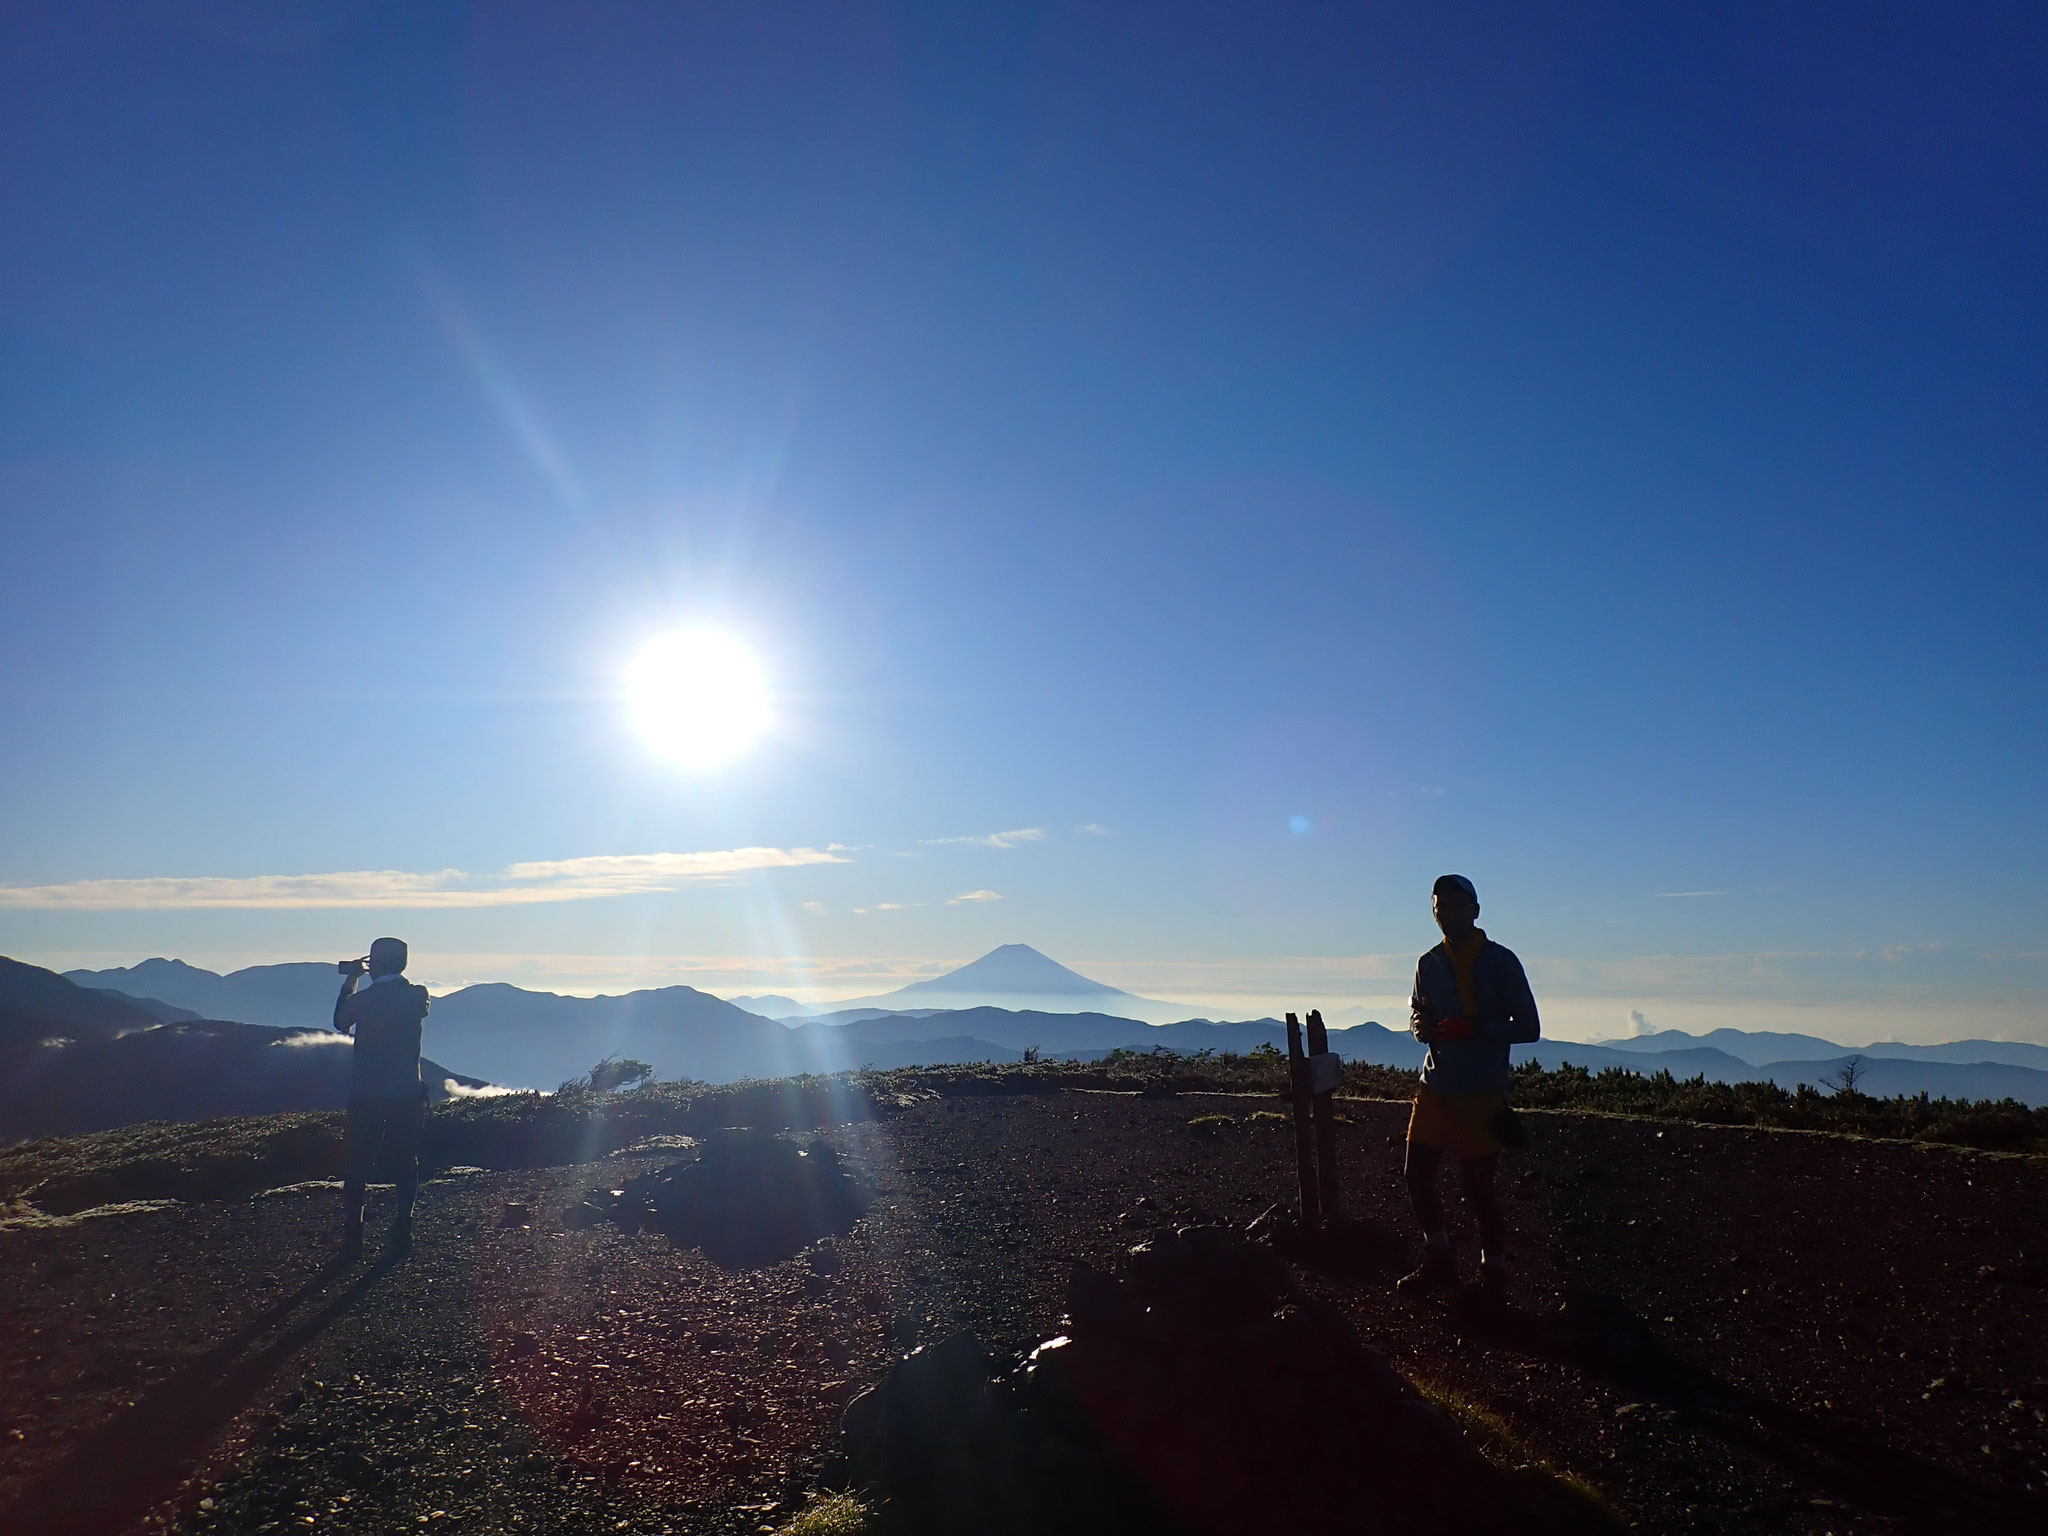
<point x="838" y="1514"/>
<point x="2002" y="1126"/>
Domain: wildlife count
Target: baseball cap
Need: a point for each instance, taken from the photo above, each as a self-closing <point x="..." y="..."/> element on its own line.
<point x="1447" y="885"/>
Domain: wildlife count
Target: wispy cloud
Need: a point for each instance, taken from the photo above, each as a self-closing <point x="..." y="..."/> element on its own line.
<point x="967" y="897"/>
<point x="1682" y="895"/>
<point x="1095" y="829"/>
<point x="1906" y="951"/>
<point x="991" y="839"/>
<point x="583" y="879"/>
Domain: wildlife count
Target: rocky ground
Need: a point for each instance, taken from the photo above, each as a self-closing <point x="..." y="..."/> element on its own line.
<point x="1768" y="1331"/>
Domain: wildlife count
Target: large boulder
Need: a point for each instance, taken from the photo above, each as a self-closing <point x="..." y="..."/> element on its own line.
<point x="749" y="1198"/>
<point x="1198" y="1390"/>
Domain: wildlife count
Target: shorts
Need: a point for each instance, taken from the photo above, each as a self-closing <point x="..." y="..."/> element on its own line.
<point x="1460" y="1120"/>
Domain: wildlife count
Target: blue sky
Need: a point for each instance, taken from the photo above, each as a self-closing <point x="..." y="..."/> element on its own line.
<point x="1268" y="457"/>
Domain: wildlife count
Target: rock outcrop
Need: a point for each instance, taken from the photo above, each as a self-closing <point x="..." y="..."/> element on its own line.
<point x="749" y="1198"/>
<point x="1198" y="1390"/>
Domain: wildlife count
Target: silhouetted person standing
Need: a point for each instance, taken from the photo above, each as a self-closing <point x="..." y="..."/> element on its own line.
<point x="387" y="1104"/>
<point x="1471" y="1002"/>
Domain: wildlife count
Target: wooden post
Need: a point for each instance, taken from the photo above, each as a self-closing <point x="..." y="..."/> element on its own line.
<point x="1304" y="1149"/>
<point x="1326" y="1124"/>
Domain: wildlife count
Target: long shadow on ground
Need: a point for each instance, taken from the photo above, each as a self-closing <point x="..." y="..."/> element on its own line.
<point x="1597" y="1335"/>
<point x="140" y="1456"/>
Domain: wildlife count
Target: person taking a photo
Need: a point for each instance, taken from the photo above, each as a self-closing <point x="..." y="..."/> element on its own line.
<point x="387" y="1103"/>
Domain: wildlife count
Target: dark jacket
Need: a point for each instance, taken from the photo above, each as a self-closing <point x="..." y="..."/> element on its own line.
<point x="1506" y="1016"/>
<point x="385" y="1017"/>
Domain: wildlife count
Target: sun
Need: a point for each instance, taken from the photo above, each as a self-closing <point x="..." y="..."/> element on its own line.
<point x="698" y="696"/>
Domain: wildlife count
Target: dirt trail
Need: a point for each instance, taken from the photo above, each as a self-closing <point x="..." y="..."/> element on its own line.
<point x="1855" y="1333"/>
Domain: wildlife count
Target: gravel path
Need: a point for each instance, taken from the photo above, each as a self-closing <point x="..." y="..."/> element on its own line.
<point x="1859" y="1329"/>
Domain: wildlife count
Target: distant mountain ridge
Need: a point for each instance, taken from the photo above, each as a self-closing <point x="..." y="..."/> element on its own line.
<point x="1761" y="1047"/>
<point x="771" y="1005"/>
<point x="163" y="1012"/>
<point x="506" y="1034"/>
<point x="75" y="1059"/>
<point x="540" y="1039"/>
<point x="296" y="995"/>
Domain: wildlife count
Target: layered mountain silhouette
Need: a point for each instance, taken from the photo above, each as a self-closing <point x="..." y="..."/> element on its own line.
<point x="147" y="1056"/>
<point x="770" y="1005"/>
<point x="1883" y="1070"/>
<point x="541" y="1039"/>
<point x="1760" y="1047"/>
<point x="76" y="1059"/>
<point x="299" y="995"/>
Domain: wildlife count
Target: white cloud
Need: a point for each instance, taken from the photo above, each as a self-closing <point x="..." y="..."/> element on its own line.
<point x="1095" y="829"/>
<point x="457" y="1090"/>
<point x="1681" y="895"/>
<point x="524" y="884"/>
<point x="667" y="867"/>
<point x="991" y="839"/>
<point x="973" y="896"/>
<point x="814" y="906"/>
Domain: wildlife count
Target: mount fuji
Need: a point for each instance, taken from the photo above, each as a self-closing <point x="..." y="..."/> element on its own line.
<point x="1014" y="977"/>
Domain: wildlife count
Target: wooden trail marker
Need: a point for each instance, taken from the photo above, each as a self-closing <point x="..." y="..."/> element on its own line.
<point x="1332" y="1200"/>
<point x="1304" y="1148"/>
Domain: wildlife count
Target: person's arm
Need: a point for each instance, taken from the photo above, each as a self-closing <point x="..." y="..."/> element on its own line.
<point x="1516" y="1023"/>
<point x="1421" y="1012"/>
<point x="348" y="987"/>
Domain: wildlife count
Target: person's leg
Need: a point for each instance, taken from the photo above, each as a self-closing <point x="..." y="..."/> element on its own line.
<point x="1438" y="1268"/>
<point x="1476" y="1174"/>
<point x="1425" y="1197"/>
<point x="357" y="1150"/>
<point x="408" y="1120"/>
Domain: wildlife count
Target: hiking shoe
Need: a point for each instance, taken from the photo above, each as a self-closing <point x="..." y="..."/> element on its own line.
<point x="1438" y="1271"/>
<point x="1485" y="1296"/>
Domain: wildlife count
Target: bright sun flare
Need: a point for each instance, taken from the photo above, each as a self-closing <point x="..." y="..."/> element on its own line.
<point x="698" y="696"/>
